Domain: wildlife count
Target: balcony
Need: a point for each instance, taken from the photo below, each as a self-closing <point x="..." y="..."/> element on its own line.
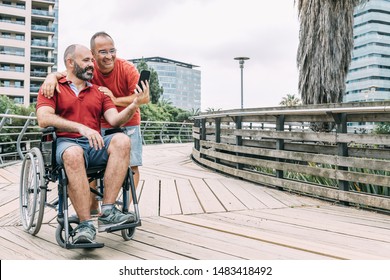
<point x="42" y="43"/>
<point x="41" y="58"/>
<point x="43" y="13"/>
<point x="6" y="20"/>
<point x="18" y="6"/>
<point x="34" y="88"/>
<point x="38" y="74"/>
<point x="8" y="69"/>
<point x="44" y="1"/>
<point x="42" y="28"/>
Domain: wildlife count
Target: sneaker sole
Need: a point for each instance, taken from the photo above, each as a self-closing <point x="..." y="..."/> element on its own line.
<point x="102" y="228"/>
<point x="83" y="240"/>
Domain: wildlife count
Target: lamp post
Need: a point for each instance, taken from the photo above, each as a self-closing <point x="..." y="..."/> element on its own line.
<point x="241" y="60"/>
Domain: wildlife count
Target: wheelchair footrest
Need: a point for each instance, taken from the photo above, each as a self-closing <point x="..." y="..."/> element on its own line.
<point x="93" y="245"/>
<point x="124" y="226"/>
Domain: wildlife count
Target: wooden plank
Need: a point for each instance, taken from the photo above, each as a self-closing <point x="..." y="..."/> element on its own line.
<point x="266" y="200"/>
<point x="188" y="200"/>
<point x="228" y="243"/>
<point x="8" y="177"/>
<point x="228" y="200"/>
<point x="352" y="225"/>
<point x="353" y="243"/>
<point x="37" y="248"/>
<point x="173" y="241"/>
<point x="169" y="204"/>
<point x="277" y="237"/>
<point x="149" y="198"/>
<point x="240" y="190"/>
<point x="207" y="198"/>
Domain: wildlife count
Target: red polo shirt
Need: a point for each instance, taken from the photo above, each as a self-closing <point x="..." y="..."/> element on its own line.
<point x="122" y="81"/>
<point x="87" y="108"/>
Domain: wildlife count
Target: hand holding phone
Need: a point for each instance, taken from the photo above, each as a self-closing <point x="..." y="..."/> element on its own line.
<point x="144" y="76"/>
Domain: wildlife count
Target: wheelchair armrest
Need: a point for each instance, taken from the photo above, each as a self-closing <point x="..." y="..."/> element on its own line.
<point x="49" y="129"/>
<point x="113" y="130"/>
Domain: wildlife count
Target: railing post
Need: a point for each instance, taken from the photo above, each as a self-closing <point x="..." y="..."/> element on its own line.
<point x="196" y="141"/>
<point x="279" y="142"/>
<point x="238" y="122"/>
<point x="217" y="134"/>
<point x="2" y="122"/>
<point x="180" y="130"/>
<point x="202" y="133"/>
<point x="4" y="119"/>
<point x="18" y="148"/>
<point x="143" y="132"/>
<point x="341" y="122"/>
<point x="161" y="133"/>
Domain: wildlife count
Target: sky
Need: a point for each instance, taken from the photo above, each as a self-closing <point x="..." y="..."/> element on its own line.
<point x="206" y="33"/>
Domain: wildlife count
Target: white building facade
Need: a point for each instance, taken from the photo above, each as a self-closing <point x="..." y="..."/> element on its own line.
<point x="28" y="47"/>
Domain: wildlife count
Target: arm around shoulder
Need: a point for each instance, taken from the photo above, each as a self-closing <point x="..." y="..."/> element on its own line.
<point x="51" y="83"/>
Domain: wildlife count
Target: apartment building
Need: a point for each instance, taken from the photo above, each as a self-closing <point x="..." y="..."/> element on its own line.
<point x="28" y="47"/>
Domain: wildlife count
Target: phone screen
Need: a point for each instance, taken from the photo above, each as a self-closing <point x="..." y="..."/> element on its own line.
<point x="145" y="75"/>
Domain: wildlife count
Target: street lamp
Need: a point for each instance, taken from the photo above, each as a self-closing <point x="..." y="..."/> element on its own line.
<point x="241" y="60"/>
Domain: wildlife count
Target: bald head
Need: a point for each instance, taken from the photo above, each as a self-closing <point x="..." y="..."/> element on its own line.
<point x="79" y="62"/>
<point x="72" y="50"/>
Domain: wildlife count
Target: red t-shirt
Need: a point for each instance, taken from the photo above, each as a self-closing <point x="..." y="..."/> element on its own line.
<point x="87" y="108"/>
<point x="122" y="81"/>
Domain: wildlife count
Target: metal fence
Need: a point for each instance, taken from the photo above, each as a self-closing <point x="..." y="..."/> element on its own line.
<point x="20" y="133"/>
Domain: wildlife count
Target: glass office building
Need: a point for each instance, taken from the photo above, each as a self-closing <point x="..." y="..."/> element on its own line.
<point x="369" y="72"/>
<point x="181" y="82"/>
<point x="368" y="78"/>
<point x="28" y="46"/>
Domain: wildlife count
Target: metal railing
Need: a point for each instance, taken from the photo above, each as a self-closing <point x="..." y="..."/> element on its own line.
<point x="313" y="150"/>
<point x="20" y="133"/>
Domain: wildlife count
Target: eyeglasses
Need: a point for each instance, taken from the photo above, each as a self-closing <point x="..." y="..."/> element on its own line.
<point x="104" y="52"/>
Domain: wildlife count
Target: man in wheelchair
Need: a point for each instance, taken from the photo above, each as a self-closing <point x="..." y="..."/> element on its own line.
<point x="75" y="111"/>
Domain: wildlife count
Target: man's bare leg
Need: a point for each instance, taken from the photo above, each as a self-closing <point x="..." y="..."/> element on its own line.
<point x="117" y="166"/>
<point x="78" y="187"/>
<point x="94" y="208"/>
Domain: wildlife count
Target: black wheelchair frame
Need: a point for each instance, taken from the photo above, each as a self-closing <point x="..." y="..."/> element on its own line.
<point x="39" y="168"/>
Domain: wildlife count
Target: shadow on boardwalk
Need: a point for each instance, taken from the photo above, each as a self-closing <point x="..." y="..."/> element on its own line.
<point x="192" y="213"/>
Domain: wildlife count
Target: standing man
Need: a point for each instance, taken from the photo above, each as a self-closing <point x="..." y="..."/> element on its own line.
<point x="76" y="113"/>
<point x="118" y="79"/>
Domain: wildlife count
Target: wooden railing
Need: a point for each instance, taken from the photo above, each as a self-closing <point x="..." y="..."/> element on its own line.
<point x="277" y="147"/>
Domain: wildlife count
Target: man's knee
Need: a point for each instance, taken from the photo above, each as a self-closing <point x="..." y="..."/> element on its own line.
<point x="120" y="142"/>
<point x="73" y="157"/>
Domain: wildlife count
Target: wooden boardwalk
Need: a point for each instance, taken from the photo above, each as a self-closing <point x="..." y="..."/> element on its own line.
<point x="191" y="213"/>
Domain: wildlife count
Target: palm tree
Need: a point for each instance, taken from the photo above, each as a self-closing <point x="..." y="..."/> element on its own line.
<point x="325" y="48"/>
<point x="290" y="100"/>
<point x="212" y="110"/>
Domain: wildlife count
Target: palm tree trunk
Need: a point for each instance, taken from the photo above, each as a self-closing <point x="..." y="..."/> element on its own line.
<point x="325" y="48"/>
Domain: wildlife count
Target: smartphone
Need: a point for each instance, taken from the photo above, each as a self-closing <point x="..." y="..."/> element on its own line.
<point x="145" y="75"/>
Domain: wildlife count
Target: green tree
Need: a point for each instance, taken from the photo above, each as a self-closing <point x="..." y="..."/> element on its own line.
<point x="382" y="128"/>
<point x="155" y="89"/>
<point x="290" y="100"/>
<point x="14" y="109"/>
<point x="325" y="48"/>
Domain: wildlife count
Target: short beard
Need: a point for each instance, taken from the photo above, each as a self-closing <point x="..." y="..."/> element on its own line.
<point x="82" y="73"/>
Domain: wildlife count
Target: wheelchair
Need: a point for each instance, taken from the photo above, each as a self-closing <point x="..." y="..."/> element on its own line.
<point x="39" y="168"/>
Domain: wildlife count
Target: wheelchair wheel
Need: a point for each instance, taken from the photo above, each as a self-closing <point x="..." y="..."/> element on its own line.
<point x="60" y="231"/>
<point x="128" y="233"/>
<point x="32" y="196"/>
